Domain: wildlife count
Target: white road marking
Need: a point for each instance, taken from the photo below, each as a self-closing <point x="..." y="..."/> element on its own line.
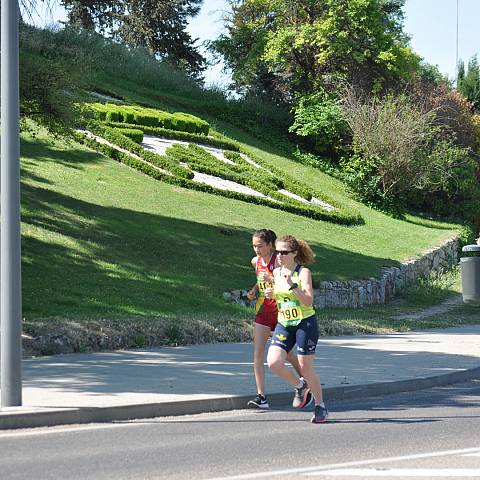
<point x="321" y="468"/>
<point x="400" y="472"/>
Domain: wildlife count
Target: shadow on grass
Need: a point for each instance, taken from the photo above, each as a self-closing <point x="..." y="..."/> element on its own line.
<point x="108" y="260"/>
<point x="45" y="151"/>
<point x="417" y="218"/>
<point x="86" y="260"/>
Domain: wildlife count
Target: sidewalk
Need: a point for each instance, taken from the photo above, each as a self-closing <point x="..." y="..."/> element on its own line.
<point x="81" y="388"/>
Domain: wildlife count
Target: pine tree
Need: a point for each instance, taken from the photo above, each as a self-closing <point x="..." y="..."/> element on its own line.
<point x="468" y="83"/>
<point x="159" y="26"/>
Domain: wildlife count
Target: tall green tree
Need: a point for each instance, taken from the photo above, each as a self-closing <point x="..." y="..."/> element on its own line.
<point x="159" y="26"/>
<point x="297" y="46"/>
<point x="468" y="82"/>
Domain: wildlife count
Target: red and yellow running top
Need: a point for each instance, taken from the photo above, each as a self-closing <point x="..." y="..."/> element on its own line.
<point x="265" y="304"/>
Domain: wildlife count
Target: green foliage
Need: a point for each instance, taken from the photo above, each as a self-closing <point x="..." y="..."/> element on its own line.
<point x="467" y="234"/>
<point x="179" y="135"/>
<point x="306" y="45"/>
<point x="325" y="165"/>
<point x="319" y="117"/>
<point x="50" y="77"/>
<point x="132" y="133"/>
<point x="266" y="180"/>
<point x="468" y="83"/>
<point x="168" y="165"/>
<point x="149" y="117"/>
<point x="361" y="174"/>
<point x="404" y="158"/>
<point x="157" y="26"/>
<point x="432" y="289"/>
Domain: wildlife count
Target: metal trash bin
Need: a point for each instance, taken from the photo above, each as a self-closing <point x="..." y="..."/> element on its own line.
<point x="470" y="268"/>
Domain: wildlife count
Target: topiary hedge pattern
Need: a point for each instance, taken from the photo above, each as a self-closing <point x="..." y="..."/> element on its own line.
<point x="178" y="135"/>
<point x="133" y="133"/>
<point x="172" y="168"/>
<point x="150" y="117"/>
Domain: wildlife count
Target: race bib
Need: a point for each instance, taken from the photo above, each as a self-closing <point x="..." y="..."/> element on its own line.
<point x="262" y="286"/>
<point x="290" y="310"/>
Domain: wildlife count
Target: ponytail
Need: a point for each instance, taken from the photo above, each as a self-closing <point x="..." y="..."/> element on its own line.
<point x="305" y="255"/>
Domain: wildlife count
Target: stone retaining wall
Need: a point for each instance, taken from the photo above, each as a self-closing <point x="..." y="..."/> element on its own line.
<point x="358" y="293"/>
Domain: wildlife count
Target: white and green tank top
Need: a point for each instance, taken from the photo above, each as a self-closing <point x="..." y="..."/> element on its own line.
<point x="290" y="310"/>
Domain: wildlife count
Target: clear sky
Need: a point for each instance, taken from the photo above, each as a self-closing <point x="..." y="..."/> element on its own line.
<point x="431" y="24"/>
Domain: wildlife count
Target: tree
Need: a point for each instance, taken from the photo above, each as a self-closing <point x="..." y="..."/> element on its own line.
<point x="159" y="26"/>
<point x="93" y="14"/>
<point x="309" y="44"/>
<point x="468" y="83"/>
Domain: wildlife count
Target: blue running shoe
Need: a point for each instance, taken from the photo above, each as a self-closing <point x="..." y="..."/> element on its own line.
<point x="320" y="415"/>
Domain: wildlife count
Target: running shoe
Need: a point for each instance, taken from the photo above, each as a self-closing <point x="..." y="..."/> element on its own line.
<point x="258" y="402"/>
<point x="303" y="396"/>
<point x="320" y="415"/>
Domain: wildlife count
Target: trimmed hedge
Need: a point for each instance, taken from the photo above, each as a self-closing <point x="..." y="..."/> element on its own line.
<point x="133" y="133"/>
<point x="200" y="160"/>
<point x="150" y="117"/>
<point x="161" y="161"/>
<point x="292" y="207"/>
<point x="178" y="135"/>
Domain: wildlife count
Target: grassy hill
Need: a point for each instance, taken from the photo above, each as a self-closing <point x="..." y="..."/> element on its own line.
<point x="103" y="241"/>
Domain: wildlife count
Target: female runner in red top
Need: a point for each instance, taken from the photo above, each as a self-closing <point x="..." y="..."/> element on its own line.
<point x="265" y="261"/>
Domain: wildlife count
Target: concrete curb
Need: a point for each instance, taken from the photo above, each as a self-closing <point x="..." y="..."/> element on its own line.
<point x="22" y="417"/>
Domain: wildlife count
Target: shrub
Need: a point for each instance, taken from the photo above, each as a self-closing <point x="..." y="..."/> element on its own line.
<point x="178" y="135"/>
<point x="201" y="160"/>
<point x="319" y="117"/>
<point x="134" y="134"/>
<point x="50" y="76"/>
<point x="362" y="176"/>
<point x="148" y="117"/>
<point x="404" y="158"/>
<point x="451" y="109"/>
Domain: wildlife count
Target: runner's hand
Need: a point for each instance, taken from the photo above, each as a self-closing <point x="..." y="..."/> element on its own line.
<point x="269" y="292"/>
<point x="288" y="279"/>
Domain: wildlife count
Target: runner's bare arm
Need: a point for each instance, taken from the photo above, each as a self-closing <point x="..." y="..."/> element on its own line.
<point x="305" y="294"/>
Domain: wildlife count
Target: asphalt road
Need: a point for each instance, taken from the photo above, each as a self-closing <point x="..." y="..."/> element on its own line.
<point x="428" y="434"/>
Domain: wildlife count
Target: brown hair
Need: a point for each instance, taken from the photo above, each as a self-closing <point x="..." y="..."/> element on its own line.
<point x="305" y="254"/>
<point x="268" y="236"/>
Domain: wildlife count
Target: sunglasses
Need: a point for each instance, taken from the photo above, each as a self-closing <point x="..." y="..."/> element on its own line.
<point x="284" y="252"/>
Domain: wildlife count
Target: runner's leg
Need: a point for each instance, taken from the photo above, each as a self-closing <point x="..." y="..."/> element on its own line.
<point x="293" y="359"/>
<point x="261" y="334"/>
<point x="308" y="372"/>
<point x="276" y="361"/>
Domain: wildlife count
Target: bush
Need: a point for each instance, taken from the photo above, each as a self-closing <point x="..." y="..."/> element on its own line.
<point x="135" y="135"/>
<point x="319" y="117"/>
<point x="148" y="117"/>
<point x="361" y="175"/>
<point x="50" y="77"/>
<point x="200" y="160"/>
<point x="178" y="135"/>
<point x="451" y="109"/>
<point x="404" y="158"/>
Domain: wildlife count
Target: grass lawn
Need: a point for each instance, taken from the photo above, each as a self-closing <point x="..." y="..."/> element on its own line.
<point x="101" y="240"/>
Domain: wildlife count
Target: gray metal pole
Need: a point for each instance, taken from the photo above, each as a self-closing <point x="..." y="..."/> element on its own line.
<point x="10" y="260"/>
<point x="456" y="52"/>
